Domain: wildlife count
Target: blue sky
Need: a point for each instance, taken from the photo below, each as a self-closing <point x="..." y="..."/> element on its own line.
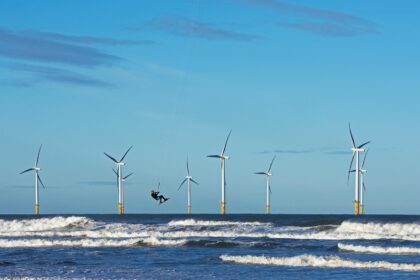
<point x="173" y="77"/>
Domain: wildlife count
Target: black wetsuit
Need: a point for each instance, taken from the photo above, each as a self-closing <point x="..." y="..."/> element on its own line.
<point x="155" y="195"/>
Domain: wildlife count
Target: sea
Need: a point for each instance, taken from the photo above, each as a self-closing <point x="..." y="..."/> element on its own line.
<point x="209" y="247"/>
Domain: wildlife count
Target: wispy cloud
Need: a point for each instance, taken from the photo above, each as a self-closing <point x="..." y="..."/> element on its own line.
<point x="38" y="47"/>
<point x="34" y="46"/>
<point x="330" y="29"/>
<point x="317" y="20"/>
<point x="52" y="74"/>
<point x="192" y="28"/>
<point x="83" y="39"/>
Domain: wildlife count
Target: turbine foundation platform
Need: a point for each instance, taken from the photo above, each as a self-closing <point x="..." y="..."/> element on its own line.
<point x="120" y="209"/>
<point x="362" y="209"/>
<point x="222" y="208"/>
<point x="356" y="208"/>
<point x="36" y="209"/>
<point x="267" y="209"/>
<point x="189" y="209"/>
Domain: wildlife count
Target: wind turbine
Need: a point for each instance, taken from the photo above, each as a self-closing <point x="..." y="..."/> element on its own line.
<point x="36" y="168"/>
<point x="222" y="158"/>
<point x="268" y="187"/>
<point x="356" y="152"/>
<point x="188" y="179"/>
<point x="362" y="171"/>
<point x="120" y="163"/>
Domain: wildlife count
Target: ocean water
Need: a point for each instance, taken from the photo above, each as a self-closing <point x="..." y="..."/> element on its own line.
<point x="210" y="247"/>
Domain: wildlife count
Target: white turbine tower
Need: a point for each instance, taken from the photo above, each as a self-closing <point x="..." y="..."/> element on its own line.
<point x="188" y="179"/>
<point x="356" y="152"/>
<point x="268" y="187"/>
<point x="120" y="163"/>
<point x="222" y="158"/>
<point x="36" y="168"/>
<point x="362" y="171"/>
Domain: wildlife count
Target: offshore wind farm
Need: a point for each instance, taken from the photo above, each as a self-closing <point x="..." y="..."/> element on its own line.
<point x="246" y="139"/>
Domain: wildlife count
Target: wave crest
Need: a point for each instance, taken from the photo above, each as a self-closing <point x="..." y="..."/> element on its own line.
<point x="379" y="249"/>
<point x="43" y="224"/>
<point x="192" y="222"/>
<point x="319" y="261"/>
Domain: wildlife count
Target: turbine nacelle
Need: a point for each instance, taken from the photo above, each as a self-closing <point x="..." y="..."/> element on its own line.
<point x="360" y="150"/>
<point x="37" y="168"/>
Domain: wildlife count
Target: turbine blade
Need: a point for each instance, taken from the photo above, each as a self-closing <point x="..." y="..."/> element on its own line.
<point x="271" y="164"/>
<point x="269" y="188"/>
<point x="352" y="138"/>
<point x="192" y="180"/>
<point x="227" y="139"/>
<point x="126" y="153"/>
<point x="116" y="173"/>
<point x="352" y="160"/>
<point x="364" y="187"/>
<point x="39" y="179"/>
<point x="183" y="182"/>
<point x="260" y="173"/>
<point x="27" y="170"/>
<point x="364" y="159"/>
<point x="214" y="156"/>
<point x="37" y="158"/>
<point x="364" y="144"/>
<point x="158" y="185"/>
<point x="348" y="173"/>
<point x="113" y="159"/>
<point x="128" y="175"/>
<point x="188" y="168"/>
<point x="352" y="171"/>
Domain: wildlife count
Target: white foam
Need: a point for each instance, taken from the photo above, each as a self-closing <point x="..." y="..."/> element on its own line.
<point x="388" y="230"/>
<point x="42" y="224"/>
<point x="378" y="249"/>
<point x="319" y="261"/>
<point x="87" y="242"/>
<point x="192" y="222"/>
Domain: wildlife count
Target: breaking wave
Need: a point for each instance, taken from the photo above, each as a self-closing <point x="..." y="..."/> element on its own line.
<point x="151" y="241"/>
<point x="378" y="249"/>
<point x="86" y="228"/>
<point x="43" y="224"/>
<point x="192" y="222"/>
<point x="319" y="261"/>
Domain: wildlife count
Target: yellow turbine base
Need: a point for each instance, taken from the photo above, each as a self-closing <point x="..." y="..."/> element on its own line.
<point x="356" y="208"/>
<point x="189" y="209"/>
<point x="36" y="209"/>
<point x="120" y="209"/>
<point x="267" y="209"/>
<point x="222" y="208"/>
<point x="362" y="209"/>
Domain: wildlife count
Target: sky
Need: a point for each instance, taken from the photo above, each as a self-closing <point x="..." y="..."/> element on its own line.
<point x="173" y="78"/>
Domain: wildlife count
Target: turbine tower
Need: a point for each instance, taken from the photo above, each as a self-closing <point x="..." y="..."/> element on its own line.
<point x="362" y="171"/>
<point x="356" y="153"/>
<point x="222" y="158"/>
<point x="268" y="187"/>
<point x="120" y="163"/>
<point x="123" y="180"/>
<point x="38" y="180"/>
<point x="188" y="179"/>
